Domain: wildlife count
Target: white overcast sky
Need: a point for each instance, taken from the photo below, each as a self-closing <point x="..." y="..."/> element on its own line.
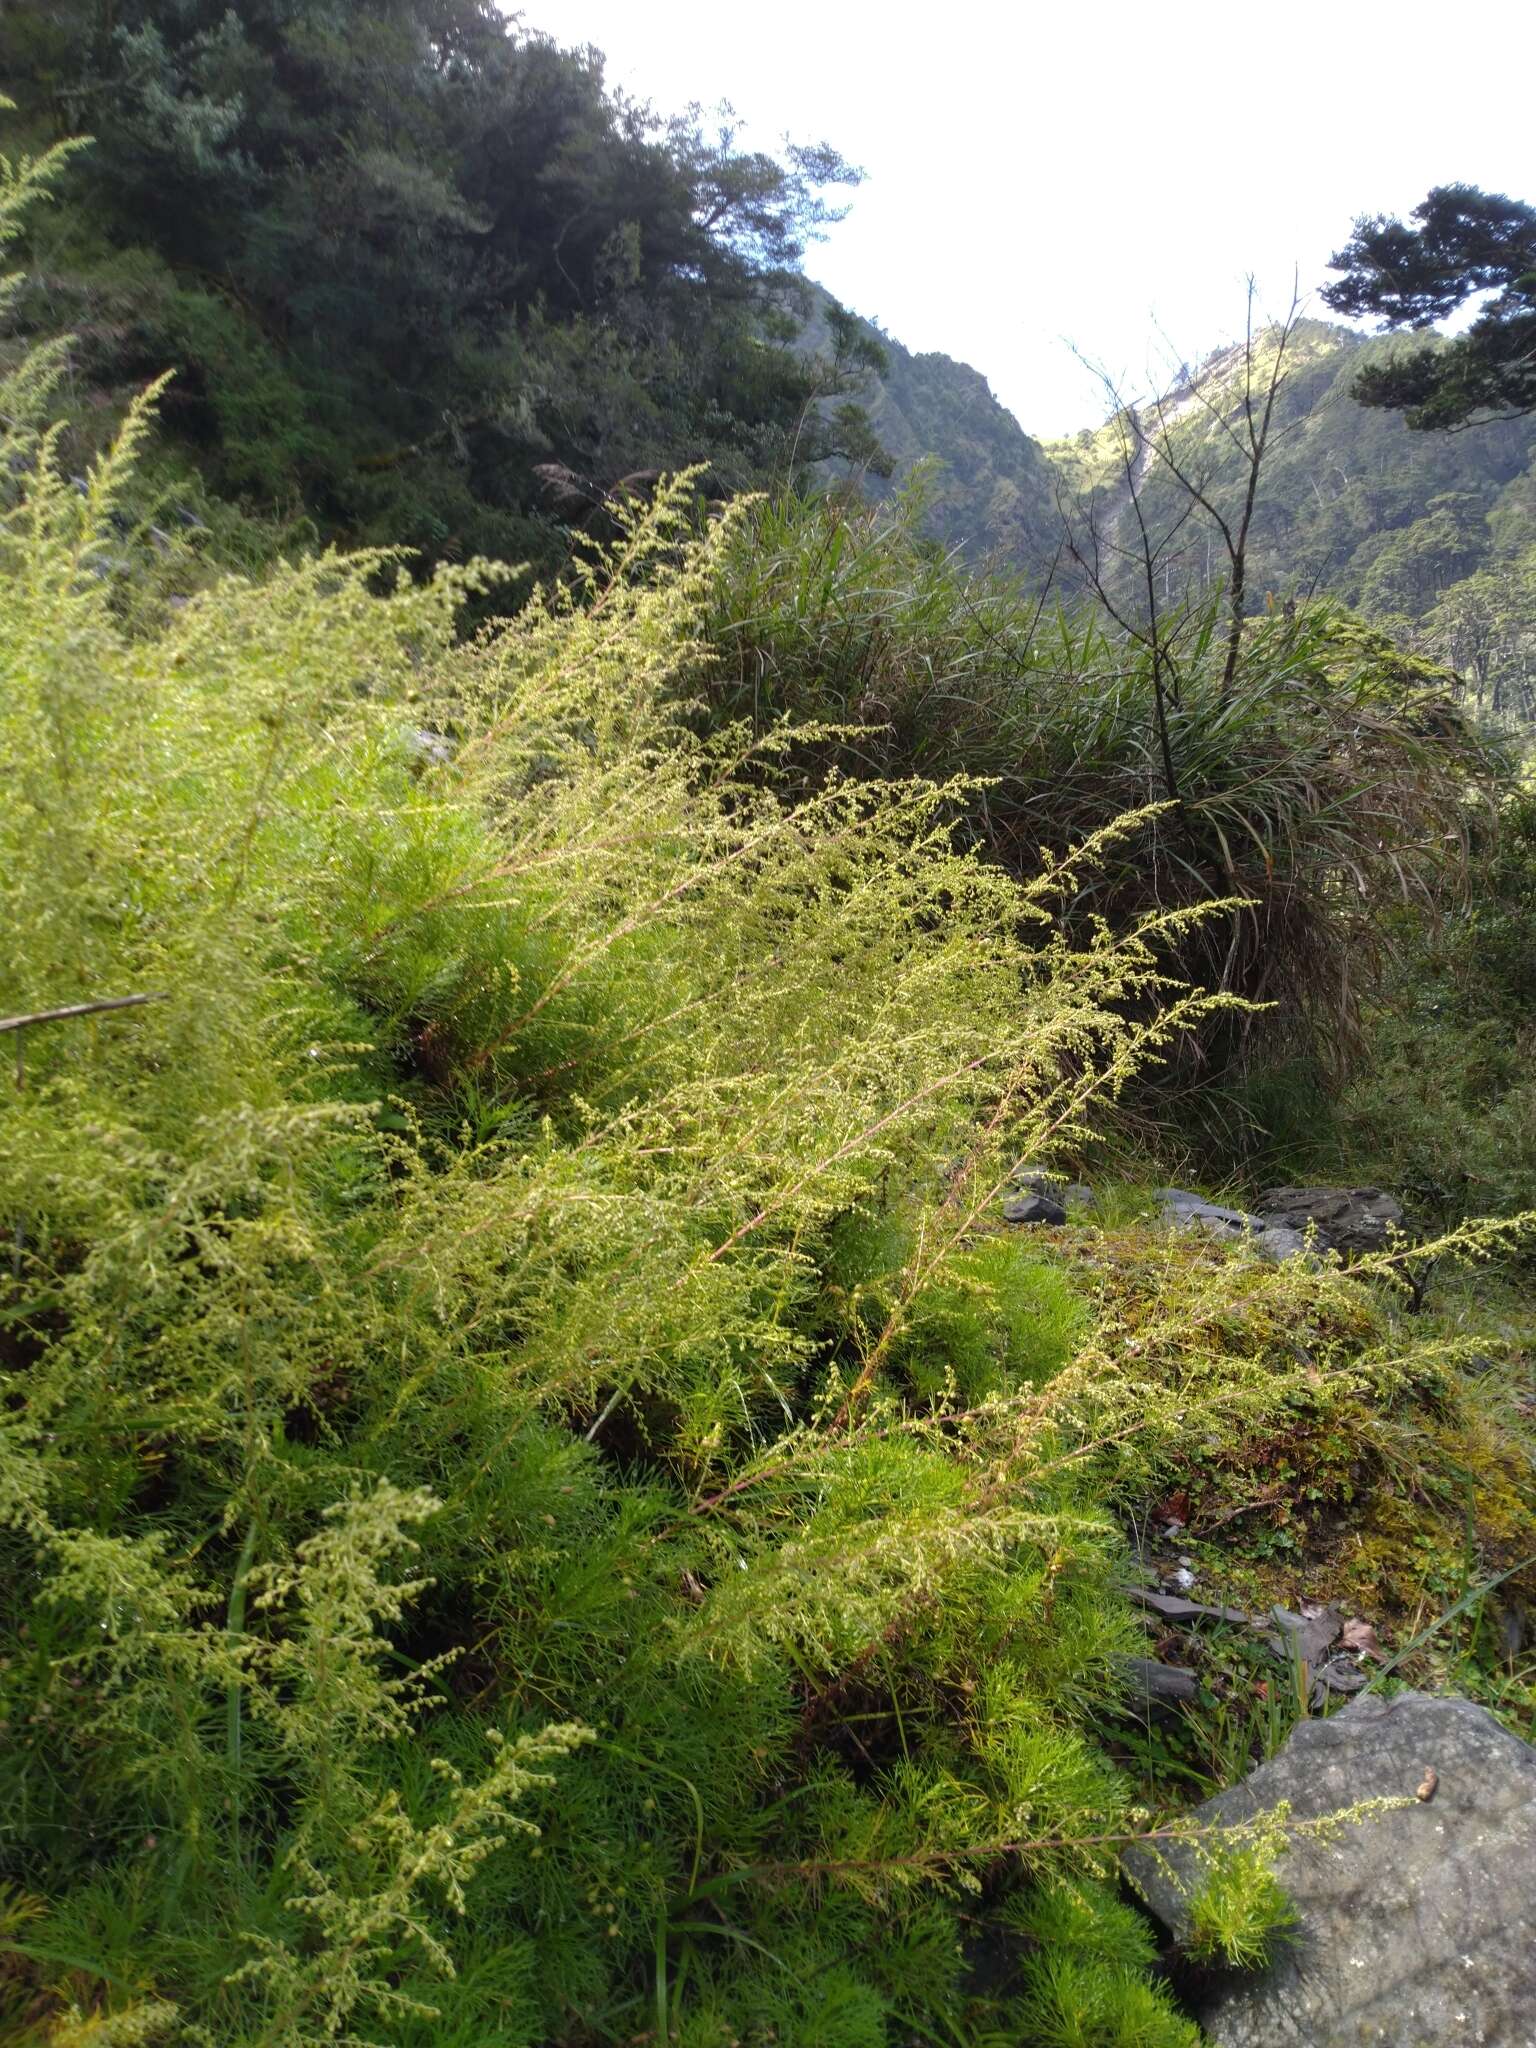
<point x="1088" y="172"/>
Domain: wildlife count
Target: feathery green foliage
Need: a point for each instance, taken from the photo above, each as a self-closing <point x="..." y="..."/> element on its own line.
<point x="511" y="1403"/>
<point x="1239" y="1910"/>
<point x="534" y="1505"/>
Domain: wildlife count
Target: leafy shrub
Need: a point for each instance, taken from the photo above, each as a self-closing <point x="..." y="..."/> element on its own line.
<point x="457" y="1435"/>
<point x="512" y="1403"/>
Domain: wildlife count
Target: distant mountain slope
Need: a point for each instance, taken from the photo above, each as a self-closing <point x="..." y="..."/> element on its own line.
<point x="1431" y="534"/>
<point x="994" y="492"/>
<point x="1352" y="501"/>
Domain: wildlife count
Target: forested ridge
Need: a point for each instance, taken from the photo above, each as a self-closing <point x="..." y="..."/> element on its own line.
<point x="618" y="901"/>
<point x="400" y="256"/>
<point x="1432" y="536"/>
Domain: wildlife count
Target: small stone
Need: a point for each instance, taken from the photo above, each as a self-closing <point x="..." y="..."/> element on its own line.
<point x="1034" y="1180"/>
<point x="1156" y="1681"/>
<point x="1312" y="1632"/>
<point x="1340" y="1675"/>
<point x="1033" y="1209"/>
<point x="429" y="749"/>
<point x="1186" y="1211"/>
<point x="1277" y="1243"/>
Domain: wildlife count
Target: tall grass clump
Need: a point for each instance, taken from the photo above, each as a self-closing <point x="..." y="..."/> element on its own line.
<point x="1324" y="780"/>
<point x="1445" y="1106"/>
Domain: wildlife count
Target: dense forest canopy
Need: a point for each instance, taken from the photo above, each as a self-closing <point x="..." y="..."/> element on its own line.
<point x="399" y="256"/>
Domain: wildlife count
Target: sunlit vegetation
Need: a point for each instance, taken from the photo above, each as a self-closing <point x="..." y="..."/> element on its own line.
<point x="540" y="1502"/>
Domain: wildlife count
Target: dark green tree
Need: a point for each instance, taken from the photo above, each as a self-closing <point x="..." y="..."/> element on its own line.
<point x="1465" y="242"/>
<point x="405" y="257"/>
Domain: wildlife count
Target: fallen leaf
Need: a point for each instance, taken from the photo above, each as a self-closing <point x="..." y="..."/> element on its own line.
<point x="1361" y="1637"/>
<point x="1310" y="1635"/>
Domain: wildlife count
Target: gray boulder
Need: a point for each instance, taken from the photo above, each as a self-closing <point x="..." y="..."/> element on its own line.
<point x="1071" y="1194"/>
<point x="1345" y="1219"/>
<point x="1185" y="1211"/>
<point x="1417" y="1927"/>
<point x="1277" y="1243"/>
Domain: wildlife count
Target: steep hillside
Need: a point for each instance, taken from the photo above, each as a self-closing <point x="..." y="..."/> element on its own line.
<point x="1352" y="502"/>
<point x="992" y="491"/>
<point x="1432" y="535"/>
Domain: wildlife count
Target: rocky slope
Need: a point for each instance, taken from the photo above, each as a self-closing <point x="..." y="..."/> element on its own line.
<point x="991" y="490"/>
<point x="1353" y="503"/>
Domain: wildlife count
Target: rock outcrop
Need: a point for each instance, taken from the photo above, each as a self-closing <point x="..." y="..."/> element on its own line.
<point x="1193" y="1212"/>
<point x="1343" y="1219"/>
<point x="1417" y="1926"/>
<point x="1288" y="1222"/>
